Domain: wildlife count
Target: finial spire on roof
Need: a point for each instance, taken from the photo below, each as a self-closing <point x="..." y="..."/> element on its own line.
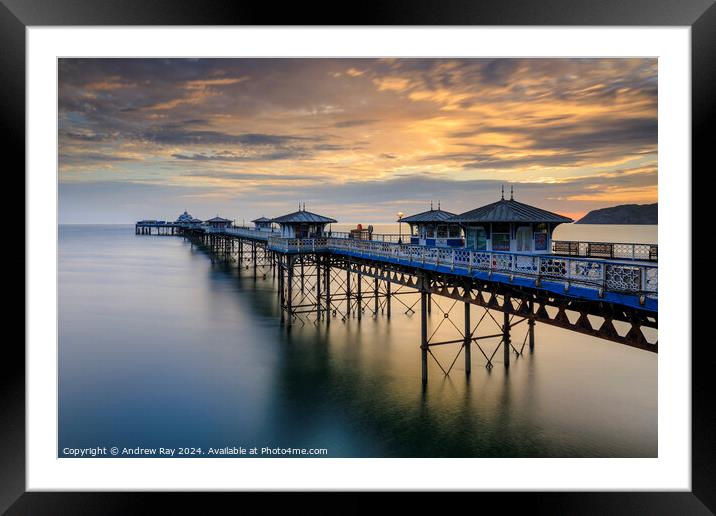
<point x="438" y="204"/>
<point x="503" y="192"/>
<point x="431" y="205"/>
<point x="512" y="192"/>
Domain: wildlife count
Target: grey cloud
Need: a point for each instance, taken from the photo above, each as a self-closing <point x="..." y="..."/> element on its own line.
<point x="248" y="176"/>
<point x="87" y="157"/>
<point x="172" y="136"/>
<point x="356" y="123"/>
<point x="572" y="144"/>
<point x="232" y="157"/>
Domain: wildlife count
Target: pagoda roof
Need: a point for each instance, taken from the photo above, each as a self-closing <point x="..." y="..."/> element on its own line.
<point x="509" y="210"/>
<point x="428" y="216"/>
<point x="303" y="216"/>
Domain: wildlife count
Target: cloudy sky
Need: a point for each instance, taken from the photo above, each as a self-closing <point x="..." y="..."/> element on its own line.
<point x="356" y="139"/>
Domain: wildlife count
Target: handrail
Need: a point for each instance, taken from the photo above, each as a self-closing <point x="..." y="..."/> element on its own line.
<point x="374" y="237"/>
<point x="621" y="275"/>
<point x="256" y="234"/>
<point x="627" y="251"/>
<point x="601" y="275"/>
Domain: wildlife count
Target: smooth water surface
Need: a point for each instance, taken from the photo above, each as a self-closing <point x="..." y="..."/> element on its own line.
<point x="159" y="347"/>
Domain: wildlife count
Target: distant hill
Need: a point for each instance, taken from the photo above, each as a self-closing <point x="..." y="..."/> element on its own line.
<point x="624" y="214"/>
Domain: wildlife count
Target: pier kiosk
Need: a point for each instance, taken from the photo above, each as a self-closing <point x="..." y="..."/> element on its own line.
<point x="509" y="225"/>
<point x="263" y="224"/>
<point x="434" y="228"/>
<point x="185" y="219"/>
<point x="302" y="224"/>
<point x="219" y="223"/>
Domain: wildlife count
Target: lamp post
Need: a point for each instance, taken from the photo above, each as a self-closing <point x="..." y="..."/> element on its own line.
<point x="400" y="227"/>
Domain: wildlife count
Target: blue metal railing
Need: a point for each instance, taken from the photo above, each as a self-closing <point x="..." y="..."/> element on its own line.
<point x="617" y="276"/>
<point x="625" y="251"/>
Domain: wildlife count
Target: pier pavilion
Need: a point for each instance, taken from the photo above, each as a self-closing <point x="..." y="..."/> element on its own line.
<point x="303" y="224"/>
<point x="433" y="228"/>
<point x="185" y="219"/>
<point x="263" y="224"/>
<point x="510" y="226"/>
<point x="219" y="223"/>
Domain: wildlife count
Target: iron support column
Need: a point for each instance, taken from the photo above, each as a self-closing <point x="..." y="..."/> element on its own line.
<point x="506" y="333"/>
<point x="359" y="295"/>
<point x="468" y="340"/>
<point x="387" y="298"/>
<point x="531" y="327"/>
<point x="281" y="292"/>
<point x="375" y="296"/>
<point x="318" y="288"/>
<point x="328" y="290"/>
<point x="289" y="290"/>
<point x="348" y="290"/>
<point x="424" y="333"/>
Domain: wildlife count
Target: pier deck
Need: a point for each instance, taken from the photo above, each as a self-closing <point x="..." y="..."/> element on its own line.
<point x="625" y="281"/>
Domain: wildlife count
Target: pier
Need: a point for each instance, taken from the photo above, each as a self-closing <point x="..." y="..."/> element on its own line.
<point x="489" y="275"/>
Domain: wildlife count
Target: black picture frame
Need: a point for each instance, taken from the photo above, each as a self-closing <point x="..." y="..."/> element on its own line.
<point x="700" y="15"/>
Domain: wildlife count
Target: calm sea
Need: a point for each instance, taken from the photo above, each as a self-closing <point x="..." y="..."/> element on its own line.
<point x="161" y="348"/>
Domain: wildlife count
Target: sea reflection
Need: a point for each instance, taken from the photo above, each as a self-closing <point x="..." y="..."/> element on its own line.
<point x="161" y="347"/>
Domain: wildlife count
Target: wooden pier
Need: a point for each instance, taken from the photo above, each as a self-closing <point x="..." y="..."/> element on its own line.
<point x="323" y="277"/>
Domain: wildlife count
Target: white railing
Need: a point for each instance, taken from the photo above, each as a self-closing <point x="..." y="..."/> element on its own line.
<point x="614" y="276"/>
<point x="256" y="234"/>
<point x="298" y="245"/>
<point x="604" y="275"/>
<point x="624" y="251"/>
<point x="374" y="237"/>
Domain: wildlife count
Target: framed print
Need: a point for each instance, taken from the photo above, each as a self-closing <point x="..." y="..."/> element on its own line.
<point x="414" y="250"/>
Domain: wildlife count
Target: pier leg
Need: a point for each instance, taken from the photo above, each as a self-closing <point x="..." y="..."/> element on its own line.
<point x="289" y="291"/>
<point x="375" y="297"/>
<point x="303" y="277"/>
<point x="531" y="327"/>
<point x="359" y="296"/>
<point x="424" y="335"/>
<point x="253" y="257"/>
<point x="468" y="340"/>
<point x="430" y="303"/>
<point x="348" y="290"/>
<point x="318" y="288"/>
<point x="506" y="335"/>
<point x="387" y="298"/>
<point x="328" y="291"/>
<point x="280" y="289"/>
